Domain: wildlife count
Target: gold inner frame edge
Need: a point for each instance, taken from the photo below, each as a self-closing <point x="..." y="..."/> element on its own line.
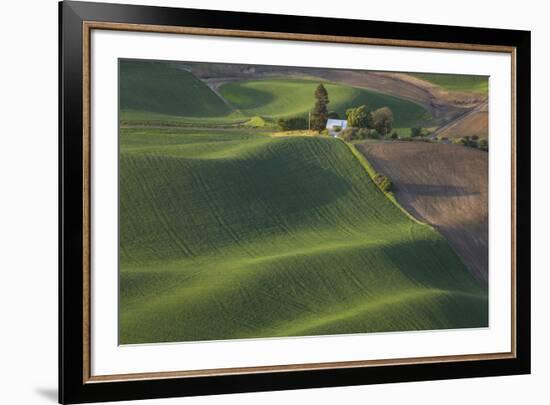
<point x="86" y="248"/>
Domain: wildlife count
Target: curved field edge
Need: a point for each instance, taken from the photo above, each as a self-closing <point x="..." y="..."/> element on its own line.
<point x="276" y="97"/>
<point x="230" y="236"/>
<point x="389" y="194"/>
<point x="167" y="94"/>
<point x="435" y="185"/>
<point x="164" y="88"/>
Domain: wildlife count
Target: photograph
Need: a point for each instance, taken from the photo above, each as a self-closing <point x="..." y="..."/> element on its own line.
<point x="262" y="201"/>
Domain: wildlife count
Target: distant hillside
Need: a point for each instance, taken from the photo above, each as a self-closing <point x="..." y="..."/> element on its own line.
<point x="166" y="89"/>
<point x="276" y="97"/>
<point x="164" y="92"/>
<point x="461" y="83"/>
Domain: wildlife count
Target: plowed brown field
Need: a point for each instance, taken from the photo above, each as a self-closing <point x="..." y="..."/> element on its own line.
<point x="475" y="122"/>
<point x="445" y="186"/>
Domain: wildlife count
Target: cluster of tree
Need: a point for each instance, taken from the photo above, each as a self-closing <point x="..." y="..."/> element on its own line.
<point x="383" y="120"/>
<point x="383" y="182"/>
<point x="292" y="124"/>
<point x="357" y="134"/>
<point x="483" y="144"/>
<point x="359" y="117"/>
<point x="416" y="131"/>
<point x="380" y="120"/>
<point x="473" y="142"/>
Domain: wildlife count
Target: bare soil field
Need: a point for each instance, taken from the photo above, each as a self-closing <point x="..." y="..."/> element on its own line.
<point x="474" y="122"/>
<point x="445" y="186"/>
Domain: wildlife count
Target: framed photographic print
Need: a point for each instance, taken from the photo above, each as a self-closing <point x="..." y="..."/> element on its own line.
<point x="255" y="202"/>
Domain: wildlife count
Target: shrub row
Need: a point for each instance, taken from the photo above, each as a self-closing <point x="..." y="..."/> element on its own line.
<point x="356" y="134"/>
<point x="383" y="182"/>
<point x="473" y="142"/>
<point x="292" y="124"/>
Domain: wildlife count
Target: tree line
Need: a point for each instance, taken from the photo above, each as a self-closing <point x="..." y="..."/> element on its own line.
<point x="361" y="121"/>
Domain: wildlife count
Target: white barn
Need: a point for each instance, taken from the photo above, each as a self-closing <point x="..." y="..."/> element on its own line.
<point x="333" y="123"/>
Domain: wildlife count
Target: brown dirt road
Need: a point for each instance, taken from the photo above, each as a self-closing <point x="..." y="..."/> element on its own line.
<point x="445" y="186"/>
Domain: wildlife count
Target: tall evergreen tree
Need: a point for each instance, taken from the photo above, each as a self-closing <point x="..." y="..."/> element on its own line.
<point x="319" y="115"/>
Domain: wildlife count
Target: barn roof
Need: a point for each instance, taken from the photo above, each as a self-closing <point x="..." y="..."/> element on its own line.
<point x="334" y="122"/>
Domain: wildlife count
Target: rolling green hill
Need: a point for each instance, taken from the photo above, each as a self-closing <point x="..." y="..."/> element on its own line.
<point x="233" y="234"/>
<point x="471" y="83"/>
<point x="281" y="97"/>
<point x="158" y="87"/>
<point x="160" y="93"/>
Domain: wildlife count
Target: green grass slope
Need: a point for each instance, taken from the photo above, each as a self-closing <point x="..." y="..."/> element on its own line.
<point x="231" y="235"/>
<point x="160" y="93"/>
<point x="469" y="83"/>
<point x="158" y="87"/>
<point x="280" y="97"/>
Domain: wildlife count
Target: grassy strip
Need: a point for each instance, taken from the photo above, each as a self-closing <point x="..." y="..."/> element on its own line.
<point x="299" y="132"/>
<point x="181" y="124"/>
<point x="373" y="173"/>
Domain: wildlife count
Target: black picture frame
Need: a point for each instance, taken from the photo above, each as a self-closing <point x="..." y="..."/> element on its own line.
<point x="73" y="387"/>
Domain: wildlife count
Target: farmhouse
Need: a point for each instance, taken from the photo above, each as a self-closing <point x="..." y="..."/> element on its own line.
<point x="334" y="126"/>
